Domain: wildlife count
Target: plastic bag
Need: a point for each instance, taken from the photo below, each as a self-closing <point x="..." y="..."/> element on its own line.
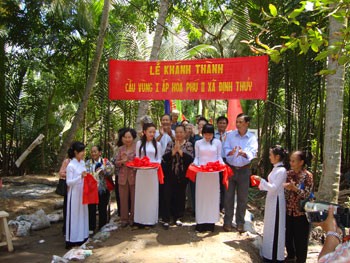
<point x="77" y="254"/>
<point x="101" y="236"/>
<point x="57" y="259"/>
<point x="109" y="227"/>
<point x="39" y="220"/>
<point x="20" y="228"/>
<point x="54" y="218"/>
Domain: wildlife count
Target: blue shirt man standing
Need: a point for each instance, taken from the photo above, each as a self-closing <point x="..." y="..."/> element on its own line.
<point x="240" y="148"/>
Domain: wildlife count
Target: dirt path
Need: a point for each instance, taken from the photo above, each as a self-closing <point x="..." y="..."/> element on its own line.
<point x="178" y="244"/>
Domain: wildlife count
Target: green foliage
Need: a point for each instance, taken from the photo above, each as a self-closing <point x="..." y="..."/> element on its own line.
<point x="311" y="32"/>
<point x="49" y="48"/>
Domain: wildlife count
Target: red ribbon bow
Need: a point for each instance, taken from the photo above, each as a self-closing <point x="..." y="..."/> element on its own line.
<point x="146" y="163"/>
<point x="213" y="166"/>
<point x="210" y="167"/>
<point x="137" y="162"/>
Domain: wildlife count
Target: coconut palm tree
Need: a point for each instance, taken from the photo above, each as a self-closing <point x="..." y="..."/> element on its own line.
<point x="329" y="184"/>
<point x="90" y="83"/>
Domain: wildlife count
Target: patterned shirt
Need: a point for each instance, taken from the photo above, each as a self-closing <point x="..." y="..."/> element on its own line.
<point x="177" y="162"/>
<point x="341" y="254"/>
<point x="303" y="181"/>
<point x="106" y="167"/>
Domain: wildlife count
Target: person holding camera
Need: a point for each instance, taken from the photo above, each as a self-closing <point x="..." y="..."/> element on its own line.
<point x="297" y="189"/>
<point x="333" y="249"/>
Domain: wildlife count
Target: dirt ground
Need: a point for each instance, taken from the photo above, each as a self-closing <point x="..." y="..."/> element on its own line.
<point x="178" y="244"/>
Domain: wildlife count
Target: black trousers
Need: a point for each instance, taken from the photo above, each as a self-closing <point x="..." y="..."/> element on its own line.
<point x="64" y="213"/>
<point x="161" y="203"/>
<point x="222" y="192"/>
<point x="102" y="208"/>
<point x="174" y="199"/>
<point x="92" y="217"/>
<point x="103" y="200"/>
<point x="117" y="196"/>
<point x="297" y="237"/>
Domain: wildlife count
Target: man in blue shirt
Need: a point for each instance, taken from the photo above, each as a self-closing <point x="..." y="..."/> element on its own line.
<point x="240" y="148"/>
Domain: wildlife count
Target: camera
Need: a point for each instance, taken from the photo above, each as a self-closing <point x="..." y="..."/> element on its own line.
<point x="318" y="212"/>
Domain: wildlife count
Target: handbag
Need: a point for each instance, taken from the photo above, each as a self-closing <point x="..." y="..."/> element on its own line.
<point x="61" y="188"/>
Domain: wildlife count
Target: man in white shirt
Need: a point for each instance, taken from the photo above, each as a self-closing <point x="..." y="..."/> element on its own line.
<point x="240" y="148"/>
<point x="165" y="134"/>
<point x="174" y="117"/>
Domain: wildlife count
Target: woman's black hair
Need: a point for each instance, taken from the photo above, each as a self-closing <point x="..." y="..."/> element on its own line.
<point x="182" y="126"/>
<point x="122" y="132"/>
<point x="144" y="139"/>
<point x="202" y="119"/>
<point x="283" y="154"/>
<point x="208" y="128"/>
<point x="302" y="156"/>
<point x="99" y="148"/>
<point x="75" y="147"/>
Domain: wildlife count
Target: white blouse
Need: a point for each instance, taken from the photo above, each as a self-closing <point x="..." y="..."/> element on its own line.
<point x="207" y="152"/>
<point x="74" y="171"/>
<point x="274" y="185"/>
<point x="150" y="152"/>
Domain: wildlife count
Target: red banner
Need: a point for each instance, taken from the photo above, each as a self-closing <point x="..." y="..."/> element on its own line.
<point x="228" y="78"/>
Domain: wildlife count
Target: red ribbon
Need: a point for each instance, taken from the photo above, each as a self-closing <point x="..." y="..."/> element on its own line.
<point x="254" y="182"/>
<point x="145" y="163"/>
<point x="210" y="167"/>
<point x="90" y="191"/>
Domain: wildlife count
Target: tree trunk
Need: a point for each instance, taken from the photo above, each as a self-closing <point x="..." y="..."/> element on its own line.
<point x="89" y="85"/>
<point x="347" y="141"/>
<point x="157" y="41"/>
<point x="3" y="103"/>
<point x="329" y="184"/>
<point x="288" y="105"/>
<point x="319" y="129"/>
<point x="46" y="130"/>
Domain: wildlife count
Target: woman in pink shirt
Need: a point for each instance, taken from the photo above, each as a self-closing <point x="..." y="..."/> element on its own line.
<point x="126" y="177"/>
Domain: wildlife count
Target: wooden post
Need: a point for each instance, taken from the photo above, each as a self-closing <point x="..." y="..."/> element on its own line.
<point x="24" y="155"/>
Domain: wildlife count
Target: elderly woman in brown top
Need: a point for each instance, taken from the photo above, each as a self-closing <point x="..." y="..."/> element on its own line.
<point x="297" y="188"/>
<point x="126" y="177"/>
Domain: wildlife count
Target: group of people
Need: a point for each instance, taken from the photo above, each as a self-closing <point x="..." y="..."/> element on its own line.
<point x="144" y="199"/>
<point x="79" y="219"/>
<point x="285" y="225"/>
